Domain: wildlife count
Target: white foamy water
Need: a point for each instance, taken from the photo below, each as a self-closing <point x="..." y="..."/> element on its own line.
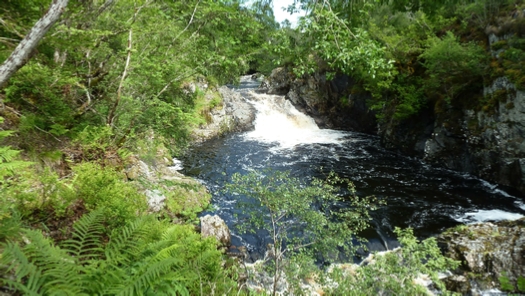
<point x="487" y="215"/>
<point x="277" y="121"/>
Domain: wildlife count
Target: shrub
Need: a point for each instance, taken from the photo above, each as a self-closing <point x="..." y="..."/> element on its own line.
<point x="451" y="65"/>
<point x="106" y="188"/>
<point x="395" y="272"/>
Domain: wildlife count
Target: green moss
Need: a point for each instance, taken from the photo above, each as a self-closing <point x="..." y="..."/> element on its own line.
<point x="186" y="198"/>
<point x="473" y="124"/>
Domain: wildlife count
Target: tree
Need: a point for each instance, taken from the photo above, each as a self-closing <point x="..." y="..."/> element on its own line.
<point x="22" y="52"/>
<point x="316" y="220"/>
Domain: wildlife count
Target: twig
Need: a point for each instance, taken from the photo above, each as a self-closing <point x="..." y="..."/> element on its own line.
<point x="46" y="132"/>
<point x="186" y="28"/>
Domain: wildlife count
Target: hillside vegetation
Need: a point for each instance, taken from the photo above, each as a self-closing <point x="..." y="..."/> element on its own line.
<point x="114" y="83"/>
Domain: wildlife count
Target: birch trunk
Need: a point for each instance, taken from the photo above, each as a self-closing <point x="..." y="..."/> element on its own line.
<point x="22" y="52"/>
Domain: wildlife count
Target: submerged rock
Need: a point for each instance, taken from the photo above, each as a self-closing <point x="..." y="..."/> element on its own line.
<point x="489" y="252"/>
<point x="214" y="226"/>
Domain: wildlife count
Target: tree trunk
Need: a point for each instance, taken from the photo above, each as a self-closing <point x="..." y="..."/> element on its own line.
<point x="22" y="52"/>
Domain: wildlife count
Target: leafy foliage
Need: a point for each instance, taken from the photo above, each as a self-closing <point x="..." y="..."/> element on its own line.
<point x="395" y="272"/>
<point x="105" y="189"/>
<point x="147" y="257"/>
<point x="451" y="65"/>
<point x="302" y="219"/>
<point x="9" y="162"/>
<point x="128" y="63"/>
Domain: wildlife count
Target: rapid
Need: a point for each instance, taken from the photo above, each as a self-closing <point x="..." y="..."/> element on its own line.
<point x="417" y="195"/>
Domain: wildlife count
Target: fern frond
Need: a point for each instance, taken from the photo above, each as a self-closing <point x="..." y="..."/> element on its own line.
<point x="16" y="261"/>
<point x="170" y="251"/>
<point x="39" y="266"/>
<point x="129" y="241"/>
<point x="29" y="288"/>
<point x="148" y="276"/>
<point x="4" y="134"/>
<point x="86" y="239"/>
<point x="8" y="154"/>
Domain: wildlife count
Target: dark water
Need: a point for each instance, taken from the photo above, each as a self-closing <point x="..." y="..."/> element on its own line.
<point x="420" y="196"/>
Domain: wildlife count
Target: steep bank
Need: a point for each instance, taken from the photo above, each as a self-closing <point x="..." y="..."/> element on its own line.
<point x="331" y="103"/>
<point x="486" y="141"/>
<point x="489" y="144"/>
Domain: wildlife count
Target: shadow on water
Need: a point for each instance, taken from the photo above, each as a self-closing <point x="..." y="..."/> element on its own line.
<point x="418" y="195"/>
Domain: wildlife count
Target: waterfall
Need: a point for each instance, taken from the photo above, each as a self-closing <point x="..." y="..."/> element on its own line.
<point x="278" y="121"/>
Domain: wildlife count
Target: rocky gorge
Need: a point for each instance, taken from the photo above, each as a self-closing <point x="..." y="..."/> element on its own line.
<point x="491" y="253"/>
<point x="488" y="143"/>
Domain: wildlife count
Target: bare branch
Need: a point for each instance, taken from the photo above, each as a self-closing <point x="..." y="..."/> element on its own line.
<point x="111" y="115"/>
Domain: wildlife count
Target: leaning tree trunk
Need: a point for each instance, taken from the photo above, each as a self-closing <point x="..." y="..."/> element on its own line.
<point x="20" y="55"/>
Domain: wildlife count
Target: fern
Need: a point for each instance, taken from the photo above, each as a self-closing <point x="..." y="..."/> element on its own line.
<point x="148" y="276"/>
<point x="147" y="257"/>
<point x="7" y="154"/>
<point x="86" y="239"/>
<point x="126" y="243"/>
<point x="39" y="267"/>
<point x="8" y="162"/>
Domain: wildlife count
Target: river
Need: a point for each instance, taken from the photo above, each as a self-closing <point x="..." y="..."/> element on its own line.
<point x="418" y="195"/>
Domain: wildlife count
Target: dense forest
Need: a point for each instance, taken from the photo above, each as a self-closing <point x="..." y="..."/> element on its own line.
<point x="116" y="81"/>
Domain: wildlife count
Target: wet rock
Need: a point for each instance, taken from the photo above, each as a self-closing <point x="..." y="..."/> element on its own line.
<point x="330" y="103"/>
<point x="486" y="142"/>
<point x="242" y="112"/>
<point x="458" y="283"/>
<point x="488" y="251"/>
<point x="214" y="226"/>
<point x="278" y="83"/>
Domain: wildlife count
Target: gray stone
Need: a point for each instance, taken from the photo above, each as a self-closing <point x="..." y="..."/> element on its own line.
<point x="488" y="250"/>
<point x="489" y="144"/>
<point x="214" y="226"/>
<point x="155" y="200"/>
<point x="323" y="100"/>
<point x="234" y="114"/>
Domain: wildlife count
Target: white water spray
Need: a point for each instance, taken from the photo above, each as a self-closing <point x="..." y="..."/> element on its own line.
<point x="277" y="121"/>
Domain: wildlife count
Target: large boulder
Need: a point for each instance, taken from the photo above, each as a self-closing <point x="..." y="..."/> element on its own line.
<point x="214" y="226"/>
<point x="489" y="252"/>
<point x="232" y="114"/>
<point x="278" y="83"/>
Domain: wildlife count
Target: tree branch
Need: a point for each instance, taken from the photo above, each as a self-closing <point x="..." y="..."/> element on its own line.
<point x="111" y="115"/>
<point x="22" y="52"/>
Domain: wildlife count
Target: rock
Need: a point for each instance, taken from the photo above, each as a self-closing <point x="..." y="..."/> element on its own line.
<point x="278" y="83"/>
<point x="214" y="226"/>
<point x="241" y="112"/>
<point x="489" y="250"/>
<point x="166" y="188"/>
<point x="486" y="142"/>
<point x="234" y="114"/>
<point x="155" y="200"/>
<point x="330" y="103"/>
<point x="458" y="283"/>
